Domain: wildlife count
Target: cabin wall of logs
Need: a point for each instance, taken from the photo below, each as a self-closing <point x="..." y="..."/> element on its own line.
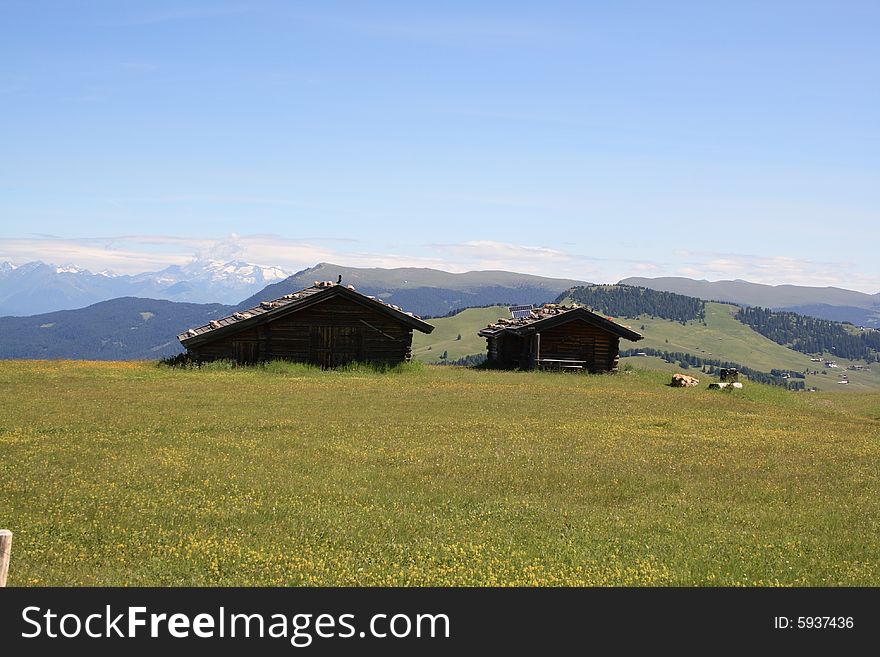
<point x="331" y="333"/>
<point x="576" y="341"/>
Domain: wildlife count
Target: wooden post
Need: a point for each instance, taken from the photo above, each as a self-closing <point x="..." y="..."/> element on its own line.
<point x="5" y="549"/>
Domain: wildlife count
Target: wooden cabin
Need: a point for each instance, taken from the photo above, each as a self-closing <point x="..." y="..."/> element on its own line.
<point x="327" y="325"/>
<point x="557" y="337"/>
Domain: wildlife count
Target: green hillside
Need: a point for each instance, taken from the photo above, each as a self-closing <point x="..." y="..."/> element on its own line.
<point x="722" y="337"/>
<point x="132" y="474"/>
<point x="429" y="348"/>
<point x="728" y="339"/>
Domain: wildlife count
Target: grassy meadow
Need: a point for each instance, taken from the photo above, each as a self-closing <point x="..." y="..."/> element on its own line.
<point x="134" y="474"/>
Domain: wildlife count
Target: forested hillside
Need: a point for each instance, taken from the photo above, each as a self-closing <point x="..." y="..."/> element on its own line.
<point x="824" y="302"/>
<point x="629" y="301"/>
<point x="120" y="329"/>
<point x="811" y="335"/>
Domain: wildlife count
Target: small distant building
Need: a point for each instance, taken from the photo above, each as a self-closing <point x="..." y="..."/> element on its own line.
<point x="327" y="325"/>
<point x="557" y="337"/>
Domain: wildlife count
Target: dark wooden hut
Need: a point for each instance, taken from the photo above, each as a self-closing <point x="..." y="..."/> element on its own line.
<point x="327" y="325"/>
<point x="557" y="337"/>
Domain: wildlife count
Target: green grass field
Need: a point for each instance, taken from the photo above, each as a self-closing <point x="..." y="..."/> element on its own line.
<point x="132" y="474"/>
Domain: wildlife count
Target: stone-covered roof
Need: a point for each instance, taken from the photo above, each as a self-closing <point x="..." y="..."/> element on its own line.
<point x="290" y="303"/>
<point x="552" y="314"/>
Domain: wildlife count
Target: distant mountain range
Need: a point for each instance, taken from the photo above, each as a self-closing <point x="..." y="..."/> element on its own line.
<point x="426" y="292"/>
<point x="832" y="303"/>
<point x="132" y="327"/>
<point x="37" y="287"/>
<point x="135" y="328"/>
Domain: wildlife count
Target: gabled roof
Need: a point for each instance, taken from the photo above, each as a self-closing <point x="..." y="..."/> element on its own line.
<point x="550" y="315"/>
<point x="290" y="303"/>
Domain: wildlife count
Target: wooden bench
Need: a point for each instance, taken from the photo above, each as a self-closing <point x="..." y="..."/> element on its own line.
<point x="561" y="364"/>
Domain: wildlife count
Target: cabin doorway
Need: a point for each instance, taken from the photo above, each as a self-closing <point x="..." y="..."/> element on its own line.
<point x="245" y="352"/>
<point x="332" y="346"/>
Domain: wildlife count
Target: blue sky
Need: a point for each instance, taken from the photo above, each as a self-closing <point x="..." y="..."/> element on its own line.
<point x="594" y="140"/>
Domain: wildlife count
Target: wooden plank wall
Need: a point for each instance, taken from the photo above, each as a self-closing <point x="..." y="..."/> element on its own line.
<point x="574" y="340"/>
<point x="580" y="340"/>
<point x="309" y="335"/>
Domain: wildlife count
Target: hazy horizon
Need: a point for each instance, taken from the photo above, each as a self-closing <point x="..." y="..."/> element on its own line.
<point x="197" y="259"/>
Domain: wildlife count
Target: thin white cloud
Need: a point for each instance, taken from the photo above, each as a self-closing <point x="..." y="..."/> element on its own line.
<point x="132" y="254"/>
<point x="543" y="261"/>
<point x="96" y="255"/>
<point x="775" y="270"/>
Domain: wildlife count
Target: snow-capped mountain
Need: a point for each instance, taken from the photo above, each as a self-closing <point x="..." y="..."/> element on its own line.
<point x="38" y="287"/>
<point x="233" y="274"/>
<point x="69" y="269"/>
